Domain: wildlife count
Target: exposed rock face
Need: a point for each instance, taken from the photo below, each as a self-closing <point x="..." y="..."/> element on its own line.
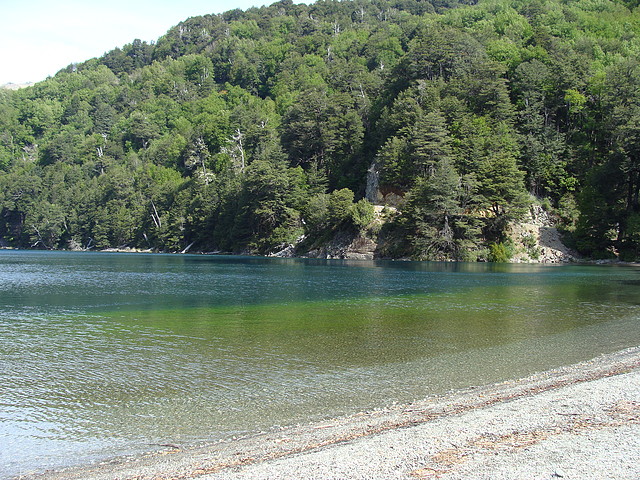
<point x="289" y="251"/>
<point x="538" y="241"/>
<point x="380" y="196"/>
<point x="361" y="248"/>
<point x="373" y="179"/>
<point x="345" y="246"/>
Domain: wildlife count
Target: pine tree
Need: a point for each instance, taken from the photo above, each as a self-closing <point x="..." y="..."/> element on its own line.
<point x="430" y="143"/>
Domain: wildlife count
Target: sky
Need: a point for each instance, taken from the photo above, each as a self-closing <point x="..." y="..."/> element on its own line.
<point x="40" y="37"/>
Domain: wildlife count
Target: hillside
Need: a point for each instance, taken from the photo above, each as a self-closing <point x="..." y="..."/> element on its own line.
<point x="255" y="130"/>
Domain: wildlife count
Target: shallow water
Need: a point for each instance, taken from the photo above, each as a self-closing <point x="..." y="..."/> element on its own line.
<point x="110" y="354"/>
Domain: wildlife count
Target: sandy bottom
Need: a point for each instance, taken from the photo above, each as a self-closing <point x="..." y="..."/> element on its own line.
<point x="577" y="422"/>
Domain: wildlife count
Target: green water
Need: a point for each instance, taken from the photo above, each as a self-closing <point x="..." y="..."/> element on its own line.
<point x="109" y="354"/>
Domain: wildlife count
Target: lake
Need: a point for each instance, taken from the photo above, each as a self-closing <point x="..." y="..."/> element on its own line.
<point x="107" y="354"/>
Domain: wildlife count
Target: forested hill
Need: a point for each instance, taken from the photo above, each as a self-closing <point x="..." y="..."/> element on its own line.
<point x="251" y="130"/>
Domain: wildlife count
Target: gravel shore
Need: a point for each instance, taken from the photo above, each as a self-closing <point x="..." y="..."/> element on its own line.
<point x="577" y="422"/>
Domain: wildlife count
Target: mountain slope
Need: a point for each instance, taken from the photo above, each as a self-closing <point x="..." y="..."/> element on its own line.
<point x="249" y="130"/>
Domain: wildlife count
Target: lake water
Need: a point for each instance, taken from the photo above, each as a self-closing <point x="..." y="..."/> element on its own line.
<point x="109" y="354"/>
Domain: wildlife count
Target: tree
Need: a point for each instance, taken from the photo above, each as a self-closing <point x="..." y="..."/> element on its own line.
<point x="429" y="143"/>
<point x="611" y="223"/>
<point x="325" y="131"/>
<point x="197" y="159"/>
<point x="432" y="205"/>
<point x="268" y="208"/>
<point x="500" y="180"/>
<point x="544" y="149"/>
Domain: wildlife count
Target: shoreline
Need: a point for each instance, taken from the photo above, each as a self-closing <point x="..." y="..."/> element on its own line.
<point x="578" y="261"/>
<point x="455" y="435"/>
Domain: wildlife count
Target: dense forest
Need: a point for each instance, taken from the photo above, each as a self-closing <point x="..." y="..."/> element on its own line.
<point x="252" y="130"/>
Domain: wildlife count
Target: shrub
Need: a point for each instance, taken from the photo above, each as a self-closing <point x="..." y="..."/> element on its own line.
<point x="501" y="252"/>
<point x="362" y="214"/>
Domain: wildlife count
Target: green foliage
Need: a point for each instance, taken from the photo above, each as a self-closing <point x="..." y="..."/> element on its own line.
<point x="567" y="211"/>
<point x="339" y="206"/>
<point x="630" y="249"/>
<point x="441" y="230"/>
<point x="531" y="246"/>
<point x="362" y="214"/>
<point x="326" y="215"/>
<point x="501" y="252"/>
<point x="242" y="131"/>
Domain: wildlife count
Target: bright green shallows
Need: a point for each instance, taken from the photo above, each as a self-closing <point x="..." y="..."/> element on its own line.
<point x="370" y="331"/>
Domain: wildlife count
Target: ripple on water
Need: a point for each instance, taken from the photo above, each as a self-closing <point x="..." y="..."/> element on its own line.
<point x="103" y="355"/>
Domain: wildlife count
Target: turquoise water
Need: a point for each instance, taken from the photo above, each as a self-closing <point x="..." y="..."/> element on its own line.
<point x="109" y="354"/>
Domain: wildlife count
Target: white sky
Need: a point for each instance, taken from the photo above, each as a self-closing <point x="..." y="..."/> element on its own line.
<point x="40" y="37"/>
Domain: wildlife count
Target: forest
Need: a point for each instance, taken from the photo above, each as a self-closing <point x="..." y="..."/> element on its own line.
<point x="250" y="131"/>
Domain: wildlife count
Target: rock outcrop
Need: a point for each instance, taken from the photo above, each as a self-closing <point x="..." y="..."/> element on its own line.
<point x="344" y="246"/>
<point x="537" y="239"/>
